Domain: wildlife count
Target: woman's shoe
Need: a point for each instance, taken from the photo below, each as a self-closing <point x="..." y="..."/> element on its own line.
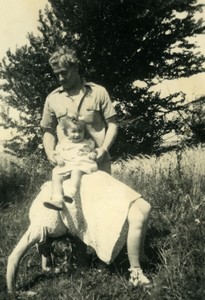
<point x="137" y="277"/>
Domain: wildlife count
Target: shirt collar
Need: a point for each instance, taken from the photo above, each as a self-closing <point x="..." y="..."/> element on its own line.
<point x="85" y="84"/>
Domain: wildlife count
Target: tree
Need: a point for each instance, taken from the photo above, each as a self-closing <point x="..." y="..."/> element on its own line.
<point x="29" y="80"/>
<point x="119" y="42"/>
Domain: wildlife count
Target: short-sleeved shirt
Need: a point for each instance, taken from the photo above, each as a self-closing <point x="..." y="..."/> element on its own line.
<point x="94" y="107"/>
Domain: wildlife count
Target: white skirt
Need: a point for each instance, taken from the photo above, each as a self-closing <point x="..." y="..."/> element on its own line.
<point x="98" y="217"/>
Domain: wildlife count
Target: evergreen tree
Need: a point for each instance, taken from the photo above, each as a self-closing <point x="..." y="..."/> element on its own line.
<point x="118" y="42"/>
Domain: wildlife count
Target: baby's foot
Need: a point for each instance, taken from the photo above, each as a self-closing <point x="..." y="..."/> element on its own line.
<point x="70" y="195"/>
<point x="68" y="199"/>
<point x="55" y="203"/>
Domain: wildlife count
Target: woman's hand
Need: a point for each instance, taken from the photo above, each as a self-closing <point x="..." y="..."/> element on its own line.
<point x="100" y="153"/>
<point x="93" y="155"/>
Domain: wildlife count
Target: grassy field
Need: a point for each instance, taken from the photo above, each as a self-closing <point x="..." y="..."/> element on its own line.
<point x="173" y="183"/>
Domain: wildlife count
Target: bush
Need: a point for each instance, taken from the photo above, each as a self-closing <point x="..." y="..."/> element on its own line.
<point x="21" y="177"/>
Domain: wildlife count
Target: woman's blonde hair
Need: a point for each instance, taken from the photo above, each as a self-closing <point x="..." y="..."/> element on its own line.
<point x="63" y="56"/>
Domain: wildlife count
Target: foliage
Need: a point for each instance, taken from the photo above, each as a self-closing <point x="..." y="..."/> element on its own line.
<point x="118" y="42"/>
<point x="12" y="178"/>
<point x="189" y="126"/>
<point x="20" y="177"/>
<point x="196" y="119"/>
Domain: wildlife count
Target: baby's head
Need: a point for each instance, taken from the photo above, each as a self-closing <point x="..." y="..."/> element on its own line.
<point x="74" y="129"/>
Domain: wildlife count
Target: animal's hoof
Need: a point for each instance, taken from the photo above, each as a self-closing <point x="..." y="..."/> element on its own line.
<point x="26" y="294"/>
<point x="56" y="270"/>
<point x="46" y="269"/>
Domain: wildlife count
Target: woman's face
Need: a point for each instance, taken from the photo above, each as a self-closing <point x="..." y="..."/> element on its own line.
<point x="67" y="76"/>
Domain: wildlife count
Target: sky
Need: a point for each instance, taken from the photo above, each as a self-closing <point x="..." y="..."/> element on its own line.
<point x="17" y="18"/>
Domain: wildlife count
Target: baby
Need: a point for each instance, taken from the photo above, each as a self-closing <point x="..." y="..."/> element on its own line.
<point x="75" y="156"/>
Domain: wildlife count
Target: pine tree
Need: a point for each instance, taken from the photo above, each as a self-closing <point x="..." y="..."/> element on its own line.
<point x="118" y="42"/>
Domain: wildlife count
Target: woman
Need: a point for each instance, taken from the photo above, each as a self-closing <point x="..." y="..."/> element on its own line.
<point x="100" y="192"/>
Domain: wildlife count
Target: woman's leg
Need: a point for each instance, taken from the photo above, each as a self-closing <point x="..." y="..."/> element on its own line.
<point x="145" y="208"/>
<point x="137" y="219"/>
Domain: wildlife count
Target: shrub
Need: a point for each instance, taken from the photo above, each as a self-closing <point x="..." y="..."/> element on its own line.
<point x="21" y="177"/>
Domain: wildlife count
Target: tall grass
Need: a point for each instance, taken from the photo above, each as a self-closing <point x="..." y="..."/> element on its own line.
<point x="174" y="184"/>
<point x="20" y="177"/>
<point x="11" y="177"/>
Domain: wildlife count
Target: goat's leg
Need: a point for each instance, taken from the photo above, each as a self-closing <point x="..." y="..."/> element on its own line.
<point x="47" y="259"/>
<point x="25" y="243"/>
<point x="46" y="263"/>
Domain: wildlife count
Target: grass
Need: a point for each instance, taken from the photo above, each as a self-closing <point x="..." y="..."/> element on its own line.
<point x="173" y="183"/>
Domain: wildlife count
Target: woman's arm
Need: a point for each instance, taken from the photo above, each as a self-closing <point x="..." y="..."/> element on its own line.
<point x="49" y="143"/>
<point x="109" y="139"/>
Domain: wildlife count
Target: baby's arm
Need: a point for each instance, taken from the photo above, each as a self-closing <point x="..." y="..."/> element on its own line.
<point x="60" y="161"/>
<point x="93" y="154"/>
<point x="88" y="149"/>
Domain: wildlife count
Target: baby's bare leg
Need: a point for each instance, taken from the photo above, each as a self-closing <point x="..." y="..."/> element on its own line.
<point x="57" y="185"/>
<point x="75" y="179"/>
<point x="56" y="202"/>
<point x="76" y="176"/>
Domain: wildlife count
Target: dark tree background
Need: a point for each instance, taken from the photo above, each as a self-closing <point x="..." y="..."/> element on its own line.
<point x="118" y="42"/>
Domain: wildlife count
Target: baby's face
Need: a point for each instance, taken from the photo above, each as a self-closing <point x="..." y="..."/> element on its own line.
<point x="75" y="134"/>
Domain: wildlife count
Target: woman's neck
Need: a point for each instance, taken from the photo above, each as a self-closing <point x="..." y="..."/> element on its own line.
<point x="76" y="88"/>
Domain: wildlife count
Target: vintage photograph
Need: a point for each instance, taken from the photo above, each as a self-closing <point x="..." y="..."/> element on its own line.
<point x="102" y="149"/>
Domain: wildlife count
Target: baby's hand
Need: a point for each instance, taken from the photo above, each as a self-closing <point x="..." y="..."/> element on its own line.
<point x="93" y="155"/>
<point x="61" y="163"/>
